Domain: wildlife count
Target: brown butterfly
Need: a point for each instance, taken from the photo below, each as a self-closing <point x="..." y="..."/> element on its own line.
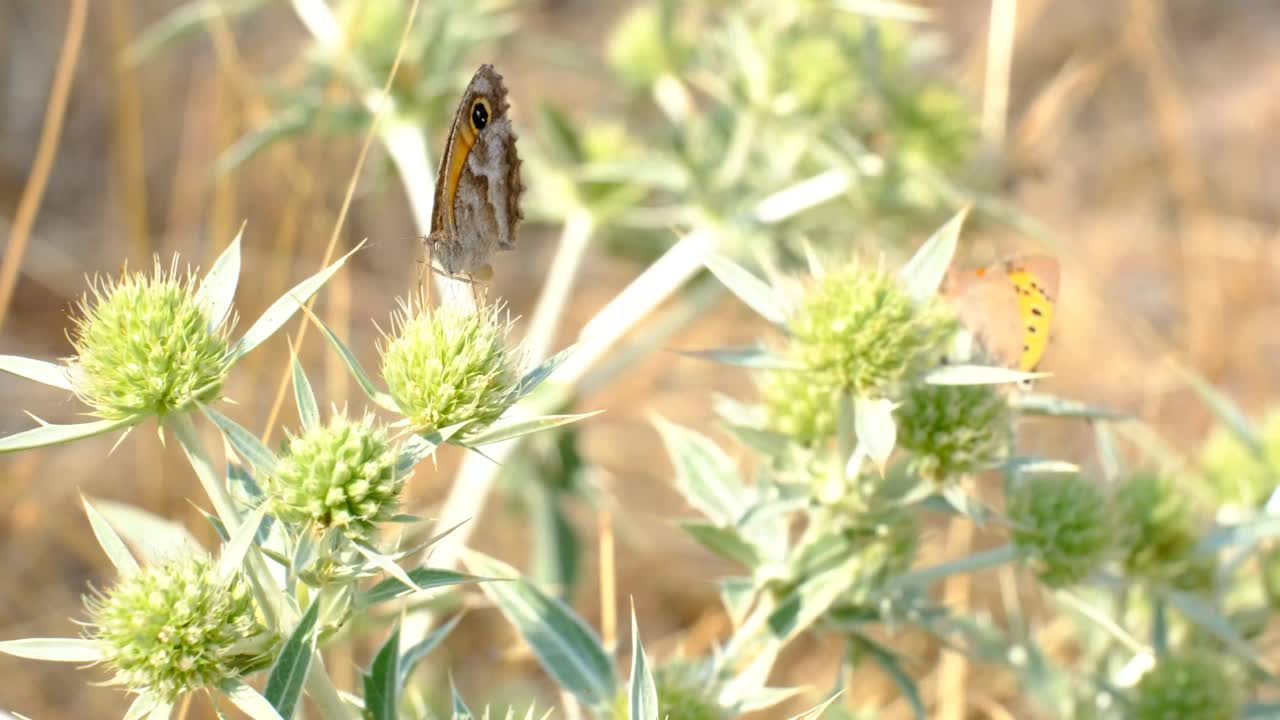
<point x="1008" y="307"/>
<point x="477" y="201"/>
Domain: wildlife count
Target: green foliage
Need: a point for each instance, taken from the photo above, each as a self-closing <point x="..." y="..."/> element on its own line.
<point x="145" y="346"/>
<point x="1237" y="473"/>
<point x="176" y="627"/>
<point x="1157" y="531"/>
<point x="1064" y="525"/>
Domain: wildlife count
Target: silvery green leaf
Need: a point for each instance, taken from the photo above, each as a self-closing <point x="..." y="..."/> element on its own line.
<point x="923" y="273"/>
<point x="382" y="683"/>
<point x="162" y="711"/>
<point x="1227" y="411"/>
<point x="246" y="444"/>
<point x="642" y="700"/>
<point x="289" y="671"/>
<point x="75" y="650"/>
<point x="751" y="678"/>
<point x="750" y="289"/>
<point x="380" y="398"/>
<point x="737" y="594"/>
<point x="218" y="288"/>
<point x="892" y="666"/>
<point x="1045" y="404"/>
<point x="111" y="543"/>
<point x="419" y="447"/>
<point x="250" y="701"/>
<point x="726" y="542"/>
<point x="410" y="658"/>
<point x="460" y="709"/>
<point x="1248" y="533"/>
<point x="152" y="536"/>
<point x="1022" y="467"/>
<point x="979" y="375"/>
<point x="386" y="564"/>
<point x="705" y="475"/>
<point x="875" y="429"/>
<point x="802" y="605"/>
<point x="817" y="712"/>
<point x="1200" y="613"/>
<point x="505" y="429"/>
<point x="534" y="377"/>
<point x="753" y="357"/>
<point x="48" y="434"/>
<point x="234" y="552"/>
<point x="423" y="578"/>
<point x="308" y="413"/>
<point x="801" y="196"/>
<point x="284" y="308"/>
<point x="963" y="503"/>
<point x="567" y="648"/>
<point x="983" y="560"/>
<point x="144" y="706"/>
<point x="42" y="372"/>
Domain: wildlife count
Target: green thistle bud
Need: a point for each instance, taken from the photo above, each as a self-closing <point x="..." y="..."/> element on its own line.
<point x="1158" y="531"/>
<point x="1237" y="474"/>
<point x="447" y="366"/>
<point x="800" y="403"/>
<point x="954" y="430"/>
<point x="144" y="347"/>
<point x="338" y="475"/>
<point x="175" y="627"/>
<point x="1063" y="524"/>
<point x="1195" y="686"/>
<point x="862" y="327"/>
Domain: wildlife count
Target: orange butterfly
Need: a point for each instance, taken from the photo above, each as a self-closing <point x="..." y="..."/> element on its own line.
<point x="1007" y="307"/>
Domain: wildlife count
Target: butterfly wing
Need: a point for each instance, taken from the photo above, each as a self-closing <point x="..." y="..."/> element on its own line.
<point x="987" y="304"/>
<point x="1035" y="281"/>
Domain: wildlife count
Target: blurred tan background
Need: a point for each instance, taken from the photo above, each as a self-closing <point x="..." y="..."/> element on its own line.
<point x="1143" y="133"/>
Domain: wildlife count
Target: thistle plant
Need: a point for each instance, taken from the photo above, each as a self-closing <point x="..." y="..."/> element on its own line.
<point x="1064" y="526"/>
<point x="1195" y="686"/>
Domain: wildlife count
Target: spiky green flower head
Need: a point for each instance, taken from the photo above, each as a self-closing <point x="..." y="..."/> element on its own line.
<point x="341" y="475"/>
<point x="1188" y="686"/>
<point x="683" y="694"/>
<point x="1237" y="473"/>
<point x="954" y="430"/>
<point x="1158" y="533"/>
<point x="144" y="346"/>
<point x="176" y="626"/>
<point x="447" y="365"/>
<point x="861" y="326"/>
<point x="800" y="403"/>
<point x="1063" y="525"/>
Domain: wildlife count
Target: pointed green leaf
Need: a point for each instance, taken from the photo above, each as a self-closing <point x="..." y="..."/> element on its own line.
<point x="705" y="475"/>
<point x="161" y="711"/>
<point x="923" y="273"/>
<point x="417" y="448"/>
<point x="410" y="658"/>
<point x="218" y="288"/>
<point x="966" y="565"/>
<point x="753" y="357"/>
<point x="284" y="308"/>
<point x="517" y="427"/>
<point x="567" y="648"/>
<point x="979" y="375"/>
<point x="817" y="712"/>
<point x="111" y="543"/>
<point x="737" y="594"/>
<point x="1200" y="613"/>
<point x="534" y="377"/>
<point x="424" y="578"/>
<point x="143" y="707"/>
<point x="249" y="700"/>
<point x="1045" y="404"/>
<point x="234" y="552"/>
<point x="875" y="429"/>
<point x="150" y="535"/>
<point x="381" y="684"/>
<point x="750" y="289"/>
<point x="801" y="196"/>
<point x="806" y="602"/>
<point x="53" y="649"/>
<point x="38" y="370"/>
<point x="889" y="662"/>
<point x="289" y="671"/>
<point x="1227" y="411"/>
<point x="726" y="542"/>
<point x="246" y="444"/>
<point x="308" y="413"/>
<point x="642" y="701"/>
<point x="48" y="434"/>
<point x="460" y="709"/>
<point x="380" y="398"/>
<point x="386" y="564"/>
